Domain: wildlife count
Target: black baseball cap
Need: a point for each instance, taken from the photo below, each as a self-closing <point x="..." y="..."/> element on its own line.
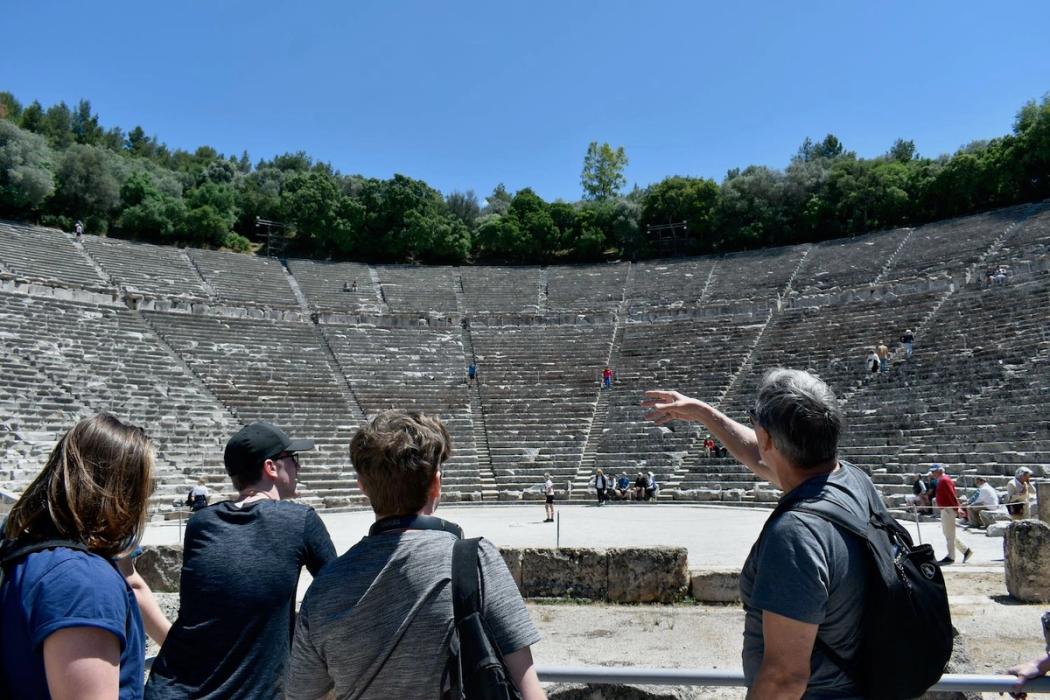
<point x="257" y="442"/>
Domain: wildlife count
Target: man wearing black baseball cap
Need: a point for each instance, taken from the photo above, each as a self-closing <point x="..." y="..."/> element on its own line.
<point x="241" y="565"/>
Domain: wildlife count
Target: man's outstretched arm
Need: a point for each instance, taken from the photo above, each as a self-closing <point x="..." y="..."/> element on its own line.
<point x="740" y="440"/>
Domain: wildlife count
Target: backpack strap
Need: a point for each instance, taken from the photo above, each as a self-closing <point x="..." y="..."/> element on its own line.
<point x="466" y="591"/>
<point x="11" y="550"/>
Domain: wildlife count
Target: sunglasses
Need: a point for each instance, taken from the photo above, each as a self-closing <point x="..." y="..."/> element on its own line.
<point x="287" y="455"/>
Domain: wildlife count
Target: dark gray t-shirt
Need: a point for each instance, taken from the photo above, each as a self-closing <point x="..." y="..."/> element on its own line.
<point x="809" y="570"/>
<point x="239" y="575"/>
<point x="376" y="622"/>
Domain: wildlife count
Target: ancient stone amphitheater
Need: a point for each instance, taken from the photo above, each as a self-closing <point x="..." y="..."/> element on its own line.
<point x="192" y="343"/>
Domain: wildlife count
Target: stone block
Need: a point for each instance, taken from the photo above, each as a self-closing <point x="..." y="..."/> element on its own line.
<point x="512" y="557"/>
<point x="715" y="585"/>
<point x="509" y="495"/>
<point x="997" y="529"/>
<point x="565" y="572"/>
<point x="161" y="567"/>
<point x="648" y="575"/>
<point x="1027" y="554"/>
<point x="1042" y="494"/>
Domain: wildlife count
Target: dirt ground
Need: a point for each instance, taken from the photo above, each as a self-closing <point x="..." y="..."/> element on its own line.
<point x="997" y="631"/>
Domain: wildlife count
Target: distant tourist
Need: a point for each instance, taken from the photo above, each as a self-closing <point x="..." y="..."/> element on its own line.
<point x="884" y="356"/>
<point x="948" y="502"/>
<point x="607" y="378"/>
<point x="638" y="492"/>
<point x="872" y="362"/>
<point x="907" y="341"/>
<point x="241" y="565"/>
<point x="548" y="498"/>
<point x="651" y="486"/>
<point x="601" y="486"/>
<point x="984" y="499"/>
<point x="919" y="496"/>
<point x="78" y="231"/>
<point x="71" y="624"/>
<point x="376" y="622"/>
<point x="197" y="498"/>
<point x="346" y="286"/>
<point x="1019" y="494"/>
<point x="709" y="446"/>
<point x="623" y="486"/>
<point x="472" y="373"/>
<point x="806" y="577"/>
<point x="1000" y="275"/>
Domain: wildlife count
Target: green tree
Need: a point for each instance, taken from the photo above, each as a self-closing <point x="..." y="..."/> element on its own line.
<point x="602" y="175"/>
<point x="25" y="170"/>
<point x="58" y="126"/>
<point x="88" y="182"/>
<point x="499" y="201"/>
<point x="902" y="151"/>
<point x="85" y="124"/>
<point x="464" y="206"/>
<point x="683" y="199"/>
<point x="10" y="108"/>
<point x="32" y="118"/>
<point x="147" y="212"/>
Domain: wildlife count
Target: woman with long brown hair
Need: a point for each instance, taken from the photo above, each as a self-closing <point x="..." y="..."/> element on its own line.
<point x="71" y="625"/>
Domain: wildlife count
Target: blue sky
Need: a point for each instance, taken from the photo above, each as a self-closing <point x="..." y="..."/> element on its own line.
<point x="468" y="94"/>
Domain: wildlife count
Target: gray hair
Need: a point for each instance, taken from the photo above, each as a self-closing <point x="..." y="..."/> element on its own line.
<point x="801" y="415"/>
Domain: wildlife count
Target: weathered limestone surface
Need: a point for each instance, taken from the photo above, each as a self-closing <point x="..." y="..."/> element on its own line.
<point x="1027" y="553"/>
<point x="1042" y="492"/>
<point x="650" y="575"/>
<point x="642" y="575"/>
<point x="557" y="573"/>
<point x="715" y="586"/>
<point x="161" y="566"/>
<point x="513" y="559"/>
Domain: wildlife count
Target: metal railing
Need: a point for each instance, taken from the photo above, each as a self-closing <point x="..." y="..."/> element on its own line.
<point x="711" y="678"/>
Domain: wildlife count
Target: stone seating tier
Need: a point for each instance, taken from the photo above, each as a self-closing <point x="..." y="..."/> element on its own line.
<point x="245" y="279"/>
<point x="322" y="283"/>
<point x="488" y="289"/>
<point x="46" y="254"/>
<point x="152" y="269"/>
<point x="408" y="288"/>
<point x="847" y="263"/>
<point x="585" y="287"/>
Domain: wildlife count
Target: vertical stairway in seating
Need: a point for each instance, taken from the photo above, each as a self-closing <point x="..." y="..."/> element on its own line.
<point x="588" y="460"/>
<point x="486" y="475"/>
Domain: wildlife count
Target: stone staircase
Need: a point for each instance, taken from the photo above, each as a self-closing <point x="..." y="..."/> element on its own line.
<point x="489" y="490"/>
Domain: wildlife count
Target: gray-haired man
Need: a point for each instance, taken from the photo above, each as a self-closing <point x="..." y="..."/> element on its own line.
<point x="804" y="576"/>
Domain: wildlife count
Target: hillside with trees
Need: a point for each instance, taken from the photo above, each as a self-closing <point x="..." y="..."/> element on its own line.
<point x="61" y="164"/>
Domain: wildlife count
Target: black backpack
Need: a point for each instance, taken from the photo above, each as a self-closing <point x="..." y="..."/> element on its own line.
<point x="476" y="670"/>
<point x="906" y="637"/>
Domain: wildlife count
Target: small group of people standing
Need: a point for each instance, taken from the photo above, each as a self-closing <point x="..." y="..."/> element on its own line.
<point x="878" y="359"/>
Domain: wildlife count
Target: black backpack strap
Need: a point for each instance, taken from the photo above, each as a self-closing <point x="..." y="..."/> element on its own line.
<point x="12" y="550"/>
<point x="466" y="590"/>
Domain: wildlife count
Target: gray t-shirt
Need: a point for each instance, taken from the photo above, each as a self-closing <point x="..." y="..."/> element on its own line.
<point x="376" y="622"/>
<point x="807" y="569"/>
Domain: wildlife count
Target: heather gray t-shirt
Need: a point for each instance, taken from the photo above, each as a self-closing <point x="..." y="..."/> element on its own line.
<point x="376" y="621"/>
<point x="809" y="570"/>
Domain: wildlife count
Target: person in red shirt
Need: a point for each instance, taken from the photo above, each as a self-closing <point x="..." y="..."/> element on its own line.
<point x="607" y="378"/>
<point x="948" y="503"/>
<point x="709" y="446"/>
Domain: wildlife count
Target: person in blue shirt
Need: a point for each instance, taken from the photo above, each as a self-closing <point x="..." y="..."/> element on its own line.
<point x="71" y="624"/>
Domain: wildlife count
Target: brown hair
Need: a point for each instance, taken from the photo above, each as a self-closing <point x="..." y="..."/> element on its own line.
<point x="94" y="489"/>
<point x="396" y="456"/>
